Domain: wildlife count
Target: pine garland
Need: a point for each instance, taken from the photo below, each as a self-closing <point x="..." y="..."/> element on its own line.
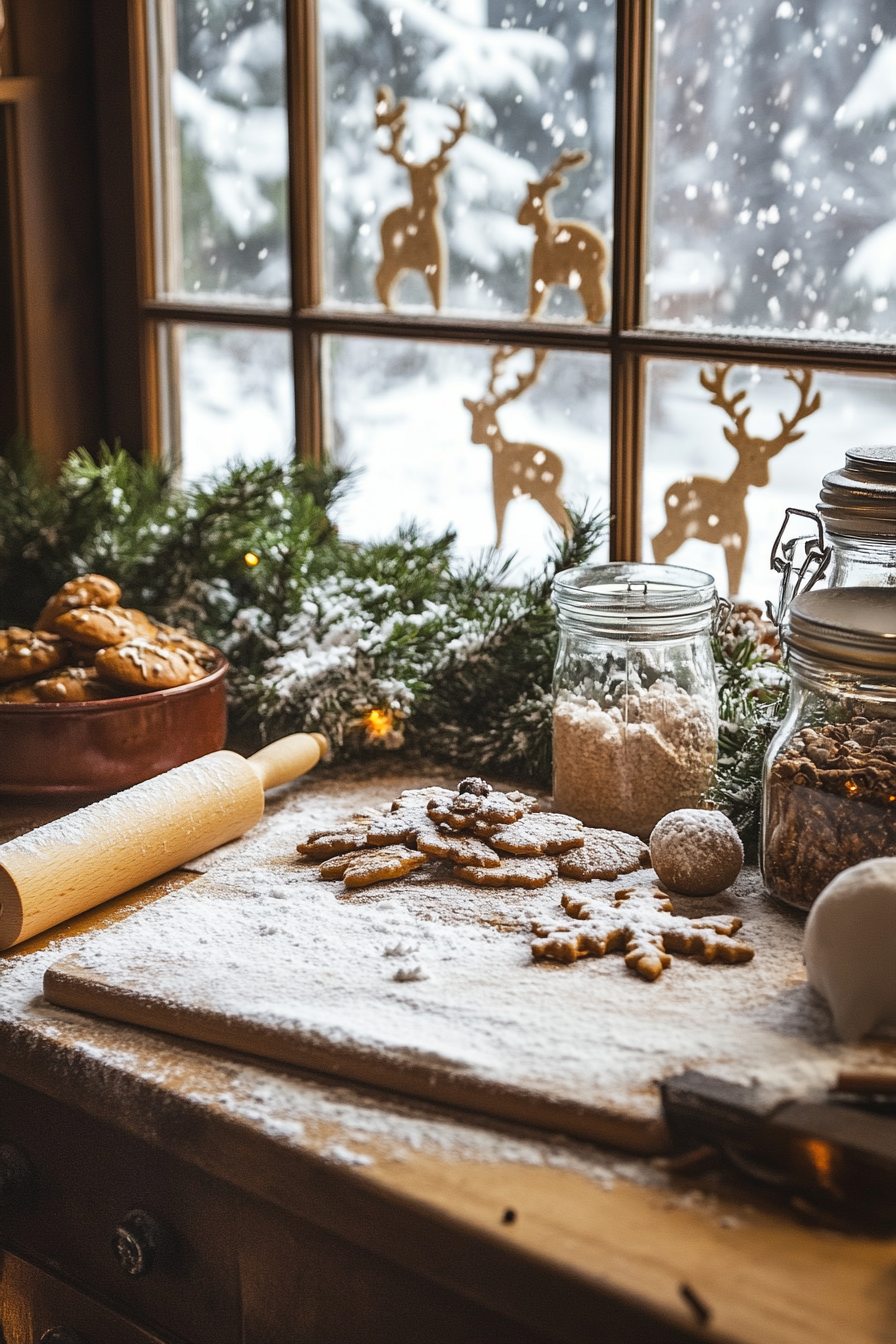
<point x="390" y="645"/>
<point x="753" y="699"/>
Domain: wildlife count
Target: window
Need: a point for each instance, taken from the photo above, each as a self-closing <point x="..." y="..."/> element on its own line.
<point x="505" y="256"/>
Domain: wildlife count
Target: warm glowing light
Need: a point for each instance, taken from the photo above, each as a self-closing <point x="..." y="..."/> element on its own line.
<point x="378" y="722"/>
<point x="251" y="559"/>
<point x="851" y="787"/>
<point x="821" y="1155"/>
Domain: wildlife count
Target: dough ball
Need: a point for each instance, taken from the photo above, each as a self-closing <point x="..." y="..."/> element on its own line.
<point x="850" y="947"/>
<point x="696" y="853"/>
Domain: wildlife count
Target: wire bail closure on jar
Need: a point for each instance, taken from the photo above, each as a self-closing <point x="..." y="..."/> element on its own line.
<point x="797" y="577"/>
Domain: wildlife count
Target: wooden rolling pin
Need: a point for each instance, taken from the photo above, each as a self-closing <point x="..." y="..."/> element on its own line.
<point x="73" y="864"/>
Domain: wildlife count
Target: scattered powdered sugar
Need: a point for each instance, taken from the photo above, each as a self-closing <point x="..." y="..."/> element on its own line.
<point x="486" y="1017"/>
<point x="110" y="815"/>
<point x="625" y="767"/>
<point x="756" y="1023"/>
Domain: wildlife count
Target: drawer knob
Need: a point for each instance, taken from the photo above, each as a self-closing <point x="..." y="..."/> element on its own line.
<point x="16" y="1171"/>
<point x="59" y="1334"/>
<point x="138" y="1241"/>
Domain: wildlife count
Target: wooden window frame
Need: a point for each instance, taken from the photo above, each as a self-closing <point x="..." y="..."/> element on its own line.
<point x="629" y="344"/>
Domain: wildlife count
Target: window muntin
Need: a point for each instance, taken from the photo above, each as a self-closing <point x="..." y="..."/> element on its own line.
<point x="774" y="202"/>
<point x="628" y="351"/>
<point x="536" y="77"/>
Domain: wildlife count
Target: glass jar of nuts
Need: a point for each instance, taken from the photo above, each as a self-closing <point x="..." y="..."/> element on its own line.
<point x="829" y="795"/>
<point x="635" y="699"/>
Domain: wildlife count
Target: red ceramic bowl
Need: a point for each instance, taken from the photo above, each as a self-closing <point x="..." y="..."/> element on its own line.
<point x="101" y="746"/>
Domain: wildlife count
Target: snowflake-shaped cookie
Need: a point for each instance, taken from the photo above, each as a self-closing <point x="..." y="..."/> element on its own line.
<point x="401" y="827"/>
<point x="643" y="926"/>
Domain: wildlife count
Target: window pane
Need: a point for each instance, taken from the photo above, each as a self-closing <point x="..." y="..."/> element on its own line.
<point x="697" y="486"/>
<point x="774" y="193"/>
<point x="223" y="149"/>
<point x="399" y="417"/>
<point x="236" y="397"/>
<point x="536" y="78"/>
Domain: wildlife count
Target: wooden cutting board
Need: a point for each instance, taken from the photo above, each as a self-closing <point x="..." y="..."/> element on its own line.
<point x="427" y="986"/>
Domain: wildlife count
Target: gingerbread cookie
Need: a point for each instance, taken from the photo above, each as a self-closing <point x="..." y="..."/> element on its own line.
<point x="541" y="833"/>
<point x="96" y="627"/>
<point x="23" y="653"/>
<point x="91" y="590"/>
<point x="604" y="854"/>
<point x="18" y="693"/>
<point x="421" y="797"/>
<point x="510" y="873"/>
<point x="328" y="843"/>
<point x="401" y="827"/>
<point x="147" y="667"/>
<point x="171" y="637"/>
<point x="642" y="925"/>
<point x="379" y="865"/>
<point x="481" y="813"/>
<point x="143" y="626"/>
<point x="73" y="684"/>
<point x="458" y="847"/>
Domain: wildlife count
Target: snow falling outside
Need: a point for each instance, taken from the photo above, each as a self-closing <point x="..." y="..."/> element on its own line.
<point x="775" y="166"/>
<point x="236" y="398"/>
<point x="536" y="78"/>
<point x="228" y="99"/>
<point x="401" y="421"/>
<point x="684" y="438"/>
<point x="774" y="208"/>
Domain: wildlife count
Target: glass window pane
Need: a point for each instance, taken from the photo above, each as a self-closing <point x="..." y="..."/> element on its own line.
<point x="536" y="80"/>
<point x="432" y="444"/>
<point x="701" y="492"/>
<point x="236" y="397"/>
<point x="774" y="200"/>
<point x="222" y="149"/>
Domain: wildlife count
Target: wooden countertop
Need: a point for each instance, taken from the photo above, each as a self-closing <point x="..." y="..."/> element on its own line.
<point x="601" y="1245"/>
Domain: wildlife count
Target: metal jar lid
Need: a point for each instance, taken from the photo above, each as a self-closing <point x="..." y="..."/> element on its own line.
<point x="859" y="500"/>
<point x="632" y="598"/>
<point x="853" y="627"/>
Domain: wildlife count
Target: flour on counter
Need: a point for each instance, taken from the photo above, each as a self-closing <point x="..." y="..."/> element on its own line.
<point x="275" y="949"/>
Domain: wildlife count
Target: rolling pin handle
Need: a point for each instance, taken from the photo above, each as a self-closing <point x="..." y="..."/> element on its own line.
<point x="282" y="761"/>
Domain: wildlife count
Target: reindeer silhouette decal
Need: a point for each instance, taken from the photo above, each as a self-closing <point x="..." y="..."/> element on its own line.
<point x="413" y="236"/>
<point x="566" y="252"/>
<point x="713" y="510"/>
<point x="519" y="470"/>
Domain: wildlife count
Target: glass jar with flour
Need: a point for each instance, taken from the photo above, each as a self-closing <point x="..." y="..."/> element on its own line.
<point x="635" y="698"/>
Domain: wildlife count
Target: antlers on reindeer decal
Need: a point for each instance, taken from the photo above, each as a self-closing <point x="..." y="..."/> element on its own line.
<point x="566" y="252"/>
<point x="713" y="510"/>
<point x="519" y="470"/>
<point x="413" y="236"/>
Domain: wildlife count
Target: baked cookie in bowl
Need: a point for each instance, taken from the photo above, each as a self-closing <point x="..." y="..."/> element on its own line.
<point x="98" y="697"/>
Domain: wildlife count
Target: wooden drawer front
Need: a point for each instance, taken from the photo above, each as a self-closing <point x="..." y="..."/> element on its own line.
<point x="33" y="1304"/>
<point x="87" y="1177"/>
<point x="237" y="1271"/>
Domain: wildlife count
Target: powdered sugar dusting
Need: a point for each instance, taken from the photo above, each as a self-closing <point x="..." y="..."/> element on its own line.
<point x="111" y="814"/>
<point x="271" y="945"/>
